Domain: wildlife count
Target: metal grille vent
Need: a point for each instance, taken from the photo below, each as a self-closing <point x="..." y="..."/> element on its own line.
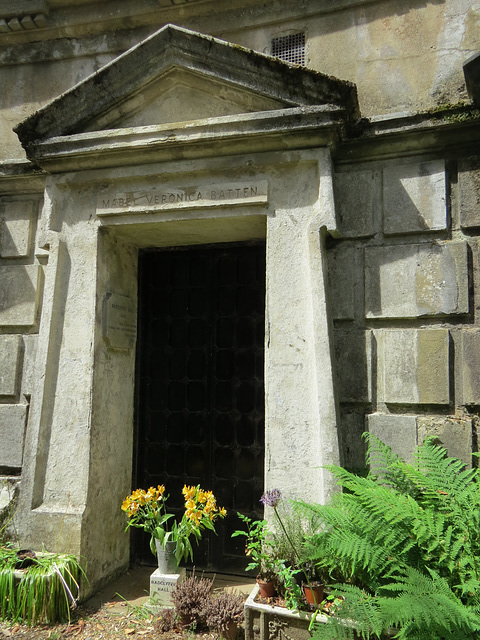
<point x="290" y="48"/>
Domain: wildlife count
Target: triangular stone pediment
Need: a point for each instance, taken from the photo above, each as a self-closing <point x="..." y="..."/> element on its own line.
<point x="180" y="95"/>
<point x="177" y="75"/>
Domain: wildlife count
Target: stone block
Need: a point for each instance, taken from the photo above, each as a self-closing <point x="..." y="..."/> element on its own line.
<point x="415" y="280"/>
<point x="12" y="431"/>
<point x="162" y="586"/>
<point x="353" y="365"/>
<point x="19" y="288"/>
<point x="9" y="359"/>
<point x="398" y="432"/>
<point x="343" y="280"/>
<point x="413" y="366"/>
<point x="16" y="220"/>
<point x="357" y="201"/>
<point x="352" y="445"/>
<point x="470" y="362"/>
<point x="28" y="374"/>
<point x="455" y="434"/>
<point x="469" y="191"/>
<point x="414" y="198"/>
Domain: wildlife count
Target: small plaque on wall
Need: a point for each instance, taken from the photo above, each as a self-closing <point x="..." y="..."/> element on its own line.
<point x="119" y="321"/>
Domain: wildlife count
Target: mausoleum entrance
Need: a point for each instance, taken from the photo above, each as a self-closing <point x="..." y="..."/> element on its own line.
<point x="200" y="392"/>
<point x="124" y="176"/>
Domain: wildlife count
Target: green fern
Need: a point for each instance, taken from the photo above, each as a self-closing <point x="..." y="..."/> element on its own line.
<point x="405" y="542"/>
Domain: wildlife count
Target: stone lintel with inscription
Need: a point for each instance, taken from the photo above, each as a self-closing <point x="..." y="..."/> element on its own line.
<point x="190" y="197"/>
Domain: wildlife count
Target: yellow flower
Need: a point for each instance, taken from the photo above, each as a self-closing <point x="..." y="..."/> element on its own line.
<point x="132" y="509"/>
<point x="126" y="504"/>
<point x="190" y="504"/>
<point x="222" y="512"/>
<point x="196" y="517"/>
<point x="139" y="496"/>
<point x="151" y="494"/>
<point x="212" y="503"/>
<point x="188" y="492"/>
<point x="161" y="489"/>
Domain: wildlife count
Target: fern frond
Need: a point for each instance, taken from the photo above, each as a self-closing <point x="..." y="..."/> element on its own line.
<point x="358" y="616"/>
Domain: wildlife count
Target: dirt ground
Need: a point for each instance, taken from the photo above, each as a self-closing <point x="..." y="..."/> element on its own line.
<point x="118" y="611"/>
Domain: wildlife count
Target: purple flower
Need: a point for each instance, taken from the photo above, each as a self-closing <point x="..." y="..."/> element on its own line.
<point x="271" y="498"/>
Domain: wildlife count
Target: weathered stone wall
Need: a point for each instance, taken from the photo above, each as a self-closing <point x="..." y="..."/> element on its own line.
<point x="404" y="280"/>
<point x="20" y="303"/>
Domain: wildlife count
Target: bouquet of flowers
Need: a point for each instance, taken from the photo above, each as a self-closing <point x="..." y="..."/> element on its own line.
<point x="147" y="510"/>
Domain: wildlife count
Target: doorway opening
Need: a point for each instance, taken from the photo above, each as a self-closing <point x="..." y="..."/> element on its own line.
<point x="200" y="388"/>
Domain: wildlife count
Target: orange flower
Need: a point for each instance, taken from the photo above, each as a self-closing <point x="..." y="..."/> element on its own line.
<point x="151" y="494"/>
<point x="189" y="492"/>
<point x="133" y="508"/>
<point x="196" y="517"/>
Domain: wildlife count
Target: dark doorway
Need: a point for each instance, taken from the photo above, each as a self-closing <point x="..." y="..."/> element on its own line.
<point x="200" y="393"/>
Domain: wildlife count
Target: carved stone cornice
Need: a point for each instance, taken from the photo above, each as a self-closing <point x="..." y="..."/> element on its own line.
<point x="19" y="15"/>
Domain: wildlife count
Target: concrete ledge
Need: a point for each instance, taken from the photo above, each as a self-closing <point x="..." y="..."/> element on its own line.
<point x="264" y="622"/>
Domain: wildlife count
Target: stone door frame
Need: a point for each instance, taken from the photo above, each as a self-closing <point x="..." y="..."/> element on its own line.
<point x="86" y="394"/>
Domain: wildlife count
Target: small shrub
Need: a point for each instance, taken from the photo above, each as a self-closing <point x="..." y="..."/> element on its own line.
<point x="166" y="621"/>
<point x="191" y="598"/>
<point x="223" y="609"/>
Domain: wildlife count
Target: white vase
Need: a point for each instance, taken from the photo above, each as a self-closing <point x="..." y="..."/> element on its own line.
<point x="166" y="557"/>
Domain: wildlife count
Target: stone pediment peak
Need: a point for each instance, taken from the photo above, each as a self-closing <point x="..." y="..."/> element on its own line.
<point x="173" y="47"/>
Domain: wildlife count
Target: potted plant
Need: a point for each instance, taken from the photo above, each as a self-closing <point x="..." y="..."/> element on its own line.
<point x="294" y="570"/>
<point x="313" y="590"/>
<point x="259" y="549"/>
<point x="41" y="591"/>
<point x="225" y="613"/>
<point x="191" y="599"/>
<point x="147" y="510"/>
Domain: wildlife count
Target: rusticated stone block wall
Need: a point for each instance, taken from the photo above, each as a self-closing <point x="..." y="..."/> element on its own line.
<point x="404" y="285"/>
<point x="20" y="294"/>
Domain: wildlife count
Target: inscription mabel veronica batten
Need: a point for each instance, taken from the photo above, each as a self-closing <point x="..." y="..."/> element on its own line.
<point x="119" y="321"/>
<point x="190" y="197"/>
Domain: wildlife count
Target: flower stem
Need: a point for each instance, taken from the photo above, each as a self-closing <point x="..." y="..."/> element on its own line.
<point x="300" y="563"/>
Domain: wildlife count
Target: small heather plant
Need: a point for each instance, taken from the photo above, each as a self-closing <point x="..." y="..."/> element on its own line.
<point x="191" y="598"/>
<point x="166" y="620"/>
<point x="223" y="609"/>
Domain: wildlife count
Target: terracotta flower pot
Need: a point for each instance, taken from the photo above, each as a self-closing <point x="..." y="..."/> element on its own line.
<point x="185" y="621"/>
<point x="266" y="588"/>
<point x="230" y="632"/>
<point x="314" y="594"/>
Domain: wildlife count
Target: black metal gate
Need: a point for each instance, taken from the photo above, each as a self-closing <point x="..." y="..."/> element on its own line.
<point x="200" y="395"/>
